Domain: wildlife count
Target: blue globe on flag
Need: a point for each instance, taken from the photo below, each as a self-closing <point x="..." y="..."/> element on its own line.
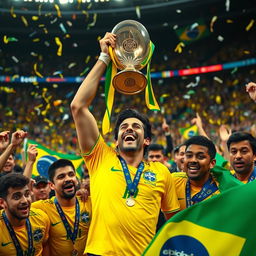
<point x="43" y="164"/>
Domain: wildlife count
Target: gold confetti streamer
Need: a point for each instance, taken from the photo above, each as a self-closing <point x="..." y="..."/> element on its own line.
<point x="87" y="59"/>
<point x="24" y="21"/>
<point x="58" y="10"/>
<point x="214" y="18"/>
<point x="94" y="21"/>
<point x="230" y="21"/>
<point x="36" y="72"/>
<point x="36" y="40"/>
<point x="249" y="26"/>
<point x="179" y="47"/>
<point x="12" y="12"/>
<point x="58" y="42"/>
<point x="86" y="14"/>
<point x="35" y="18"/>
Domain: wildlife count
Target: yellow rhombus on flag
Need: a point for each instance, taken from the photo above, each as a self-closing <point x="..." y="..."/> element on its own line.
<point x="189" y="132"/>
<point x="46" y="157"/>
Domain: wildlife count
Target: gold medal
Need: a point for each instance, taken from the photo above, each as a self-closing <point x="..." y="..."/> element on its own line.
<point x="74" y="252"/>
<point x="130" y="202"/>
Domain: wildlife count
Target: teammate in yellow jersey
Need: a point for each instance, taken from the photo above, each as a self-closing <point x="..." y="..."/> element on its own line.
<point x="24" y="231"/>
<point x="242" y="150"/>
<point x="127" y="192"/>
<point x="69" y="216"/>
<point x="196" y="183"/>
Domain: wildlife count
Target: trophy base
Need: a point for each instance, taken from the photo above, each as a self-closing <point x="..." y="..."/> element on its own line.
<point x="129" y="82"/>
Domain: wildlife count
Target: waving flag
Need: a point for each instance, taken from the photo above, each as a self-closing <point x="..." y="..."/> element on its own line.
<point x="189" y="132"/>
<point x="222" y="225"/>
<point x="46" y="157"/>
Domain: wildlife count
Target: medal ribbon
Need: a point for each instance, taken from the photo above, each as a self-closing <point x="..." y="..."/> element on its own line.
<point x="131" y="185"/>
<point x="252" y="176"/>
<point x="70" y="234"/>
<point x="15" y="239"/>
<point x="208" y="188"/>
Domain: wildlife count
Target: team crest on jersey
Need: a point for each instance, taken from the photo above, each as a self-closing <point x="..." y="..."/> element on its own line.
<point x="150" y="177"/>
<point x="85" y="217"/>
<point x="38" y="235"/>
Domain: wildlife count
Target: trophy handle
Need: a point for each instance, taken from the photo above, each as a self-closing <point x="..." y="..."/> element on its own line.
<point x="129" y="82"/>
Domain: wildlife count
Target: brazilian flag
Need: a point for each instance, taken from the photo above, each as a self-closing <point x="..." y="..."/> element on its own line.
<point x="47" y="156"/>
<point x="193" y="32"/>
<point x="222" y="225"/>
<point x="188" y="132"/>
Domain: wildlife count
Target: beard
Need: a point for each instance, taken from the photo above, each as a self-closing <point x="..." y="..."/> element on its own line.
<point x="69" y="195"/>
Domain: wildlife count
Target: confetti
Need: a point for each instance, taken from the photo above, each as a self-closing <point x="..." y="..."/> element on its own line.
<point x="217" y="79"/>
<point x="214" y="18"/>
<point x="86" y="14"/>
<point x="9" y="39"/>
<point x="58" y="42"/>
<point x="87" y="59"/>
<point x="178" y="11"/>
<point x="69" y="23"/>
<point x="54" y="20"/>
<point x="57" y="103"/>
<point x="138" y="12"/>
<point x="65" y="117"/>
<point x="175" y="27"/>
<point x="24" y="21"/>
<point x="75" y="45"/>
<point x="234" y="70"/>
<point x="15" y="59"/>
<point x="94" y="21"/>
<point x="246" y="52"/>
<point x="62" y="27"/>
<point x="32" y="34"/>
<point x="249" y="26"/>
<point x="36" y="40"/>
<point x="71" y="65"/>
<point x="220" y="38"/>
<point x="34" y="18"/>
<point x="36" y="72"/>
<point x="7" y="89"/>
<point x="192" y="84"/>
<point x="85" y="70"/>
<point x="227" y="4"/>
<point x="218" y="99"/>
<point x="46" y="43"/>
<point x="179" y="47"/>
<point x="39" y="9"/>
<point x="12" y="12"/>
<point x="193" y="26"/>
<point x="58" y="10"/>
<point x="229" y="21"/>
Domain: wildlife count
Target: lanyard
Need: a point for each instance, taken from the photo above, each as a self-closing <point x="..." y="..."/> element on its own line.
<point x="131" y="185"/>
<point x="15" y="239"/>
<point x="252" y="176"/>
<point x="70" y="234"/>
<point x="208" y="188"/>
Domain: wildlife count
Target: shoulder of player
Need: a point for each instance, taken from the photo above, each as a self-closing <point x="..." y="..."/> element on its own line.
<point x="37" y="213"/>
<point x="179" y="175"/>
<point x="156" y="166"/>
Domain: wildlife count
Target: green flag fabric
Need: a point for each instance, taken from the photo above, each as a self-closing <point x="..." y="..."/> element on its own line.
<point x="47" y="156"/>
<point x="193" y="32"/>
<point x="189" y="131"/>
<point x="221" y="226"/>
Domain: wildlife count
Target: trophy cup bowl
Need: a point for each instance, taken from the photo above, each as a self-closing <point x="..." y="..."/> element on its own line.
<point x="131" y="52"/>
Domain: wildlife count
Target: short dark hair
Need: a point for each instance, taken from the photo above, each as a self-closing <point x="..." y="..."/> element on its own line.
<point x="202" y="141"/>
<point x="129" y="113"/>
<point x="58" y="164"/>
<point x="155" y="147"/>
<point x="12" y="180"/>
<point x="177" y="148"/>
<point x="241" y="136"/>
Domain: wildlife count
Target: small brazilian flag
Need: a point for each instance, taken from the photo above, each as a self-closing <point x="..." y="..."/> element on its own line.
<point x="193" y="32"/>
<point x="222" y="225"/>
<point x="189" y="132"/>
<point x="47" y="156"/>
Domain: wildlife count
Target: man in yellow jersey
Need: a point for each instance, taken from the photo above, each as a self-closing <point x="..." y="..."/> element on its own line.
<point x="242" y="150"/>
<point x="24" y="231"/>
<point x="127" y="192"/>
<point x="69" y="216"/>
<point x="197" y="183"/>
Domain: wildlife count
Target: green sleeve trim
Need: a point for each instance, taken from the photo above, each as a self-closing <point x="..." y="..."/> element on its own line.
<point x="172" y="211"/>
<point x="88" y="153"/>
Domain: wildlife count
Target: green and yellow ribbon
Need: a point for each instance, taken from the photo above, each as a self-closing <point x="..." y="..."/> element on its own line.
<point x="110" y="91"/>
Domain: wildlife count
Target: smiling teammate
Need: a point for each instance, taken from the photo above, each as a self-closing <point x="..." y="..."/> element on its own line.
<point x="24" y="231"/>
<point x="69" y="216"/>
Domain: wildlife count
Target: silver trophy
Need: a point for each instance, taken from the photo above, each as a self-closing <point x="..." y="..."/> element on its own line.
<point x="130" y="55"/>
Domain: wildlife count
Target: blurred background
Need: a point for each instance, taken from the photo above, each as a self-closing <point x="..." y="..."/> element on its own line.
<point x="47" y="47"/>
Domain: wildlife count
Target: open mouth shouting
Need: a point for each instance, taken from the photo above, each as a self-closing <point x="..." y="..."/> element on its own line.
<point x="24" y="210"/>
<point x="69" y="187"/>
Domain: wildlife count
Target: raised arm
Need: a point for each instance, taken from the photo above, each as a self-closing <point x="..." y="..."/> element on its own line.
<point x="32" y="154"/>
<point x="198" y="122"/>
<point x="17" y="138"/>
<point x="86" y="125"/>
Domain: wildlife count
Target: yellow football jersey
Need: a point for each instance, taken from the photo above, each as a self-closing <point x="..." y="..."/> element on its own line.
<point x="59" y="244"/>
<point x="180" y="180"/>
<point x="116" y="228"/>
<point x="40" y="225"/>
